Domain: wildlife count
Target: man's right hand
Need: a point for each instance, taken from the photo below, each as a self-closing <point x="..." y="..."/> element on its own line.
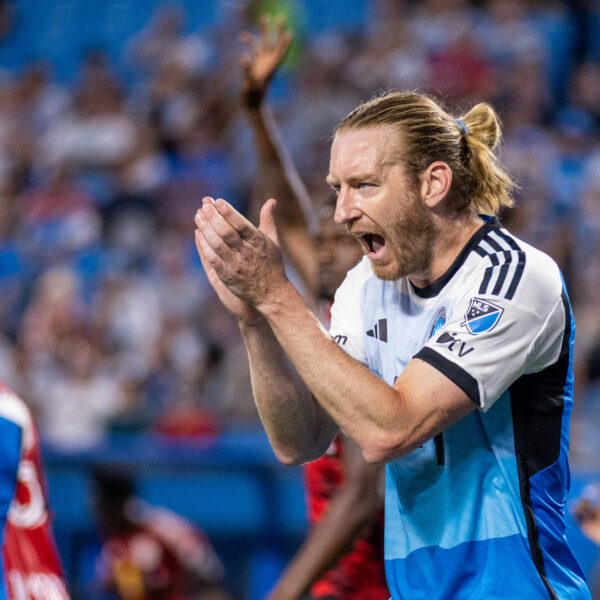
<point x="243" y="263"/>
<point x="243" y="311"/>
<point x="260" y="64"/>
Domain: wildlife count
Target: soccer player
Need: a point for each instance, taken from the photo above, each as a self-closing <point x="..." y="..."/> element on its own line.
<point x="448" y="357"/>
<point x="342" y="555"/>
<point x="30" y="561"/>
<point x="149" y="552"/>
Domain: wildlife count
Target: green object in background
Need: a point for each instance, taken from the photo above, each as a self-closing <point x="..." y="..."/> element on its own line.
<point x="295" y="19"/>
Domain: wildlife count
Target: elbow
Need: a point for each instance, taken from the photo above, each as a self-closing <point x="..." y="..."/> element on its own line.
<point x="386" y="447"/>
<point x="294" y="456"/>
<point x="290" y="458"/>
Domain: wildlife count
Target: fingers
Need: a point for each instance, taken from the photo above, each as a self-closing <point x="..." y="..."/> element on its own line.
<point x="263" y="27"/>
<point x="244" y="228"/>
<point x="250" y="40"/>
<point x="212" y="249"/>
<point x="284" y="36"/>
<point x="223" y="231"/>
<point x="267" y="220"/>
<point x="271" y="34"/>
<point x="280" y="24"/>
<point x="246" y="63"/>
<point x="201" y="246"/>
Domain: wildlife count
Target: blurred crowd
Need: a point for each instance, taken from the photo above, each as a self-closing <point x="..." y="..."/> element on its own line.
<point x="107" y="321"/>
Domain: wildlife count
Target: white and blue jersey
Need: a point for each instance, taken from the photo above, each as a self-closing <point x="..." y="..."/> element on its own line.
<point x="478" y="511"/>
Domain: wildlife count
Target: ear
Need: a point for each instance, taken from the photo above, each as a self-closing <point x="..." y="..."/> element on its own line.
<point x="435" y="183"/>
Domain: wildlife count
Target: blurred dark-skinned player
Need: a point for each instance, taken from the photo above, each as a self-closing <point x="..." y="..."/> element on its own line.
<point x="149" y="552"/>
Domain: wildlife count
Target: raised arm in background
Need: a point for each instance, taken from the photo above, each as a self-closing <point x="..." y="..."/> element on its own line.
<point x="278" y="177"/>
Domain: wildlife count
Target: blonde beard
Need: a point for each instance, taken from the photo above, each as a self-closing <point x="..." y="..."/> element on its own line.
<point x="411" y="244"/>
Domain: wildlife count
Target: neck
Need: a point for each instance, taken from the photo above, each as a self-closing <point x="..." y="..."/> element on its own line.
<point x="449" y="239"/>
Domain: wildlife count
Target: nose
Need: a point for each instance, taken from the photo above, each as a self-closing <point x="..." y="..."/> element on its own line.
<point x="345" y="207"/>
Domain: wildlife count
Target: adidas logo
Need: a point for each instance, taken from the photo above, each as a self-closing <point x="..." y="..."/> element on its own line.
<point x="379" y="331"/>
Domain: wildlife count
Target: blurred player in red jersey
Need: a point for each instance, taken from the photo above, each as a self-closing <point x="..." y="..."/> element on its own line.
<point x="342" y="556"/>
<point x="31" y="565"/>
<point x="150" y="553"/>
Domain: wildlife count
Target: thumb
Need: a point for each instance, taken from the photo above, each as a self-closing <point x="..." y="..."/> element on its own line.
<point x="267" y="221"/>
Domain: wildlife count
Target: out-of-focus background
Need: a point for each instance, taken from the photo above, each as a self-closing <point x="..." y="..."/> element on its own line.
<point x="117" y="116"/>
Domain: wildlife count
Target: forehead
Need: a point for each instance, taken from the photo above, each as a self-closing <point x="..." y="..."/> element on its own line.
<point x="358" y="150"/>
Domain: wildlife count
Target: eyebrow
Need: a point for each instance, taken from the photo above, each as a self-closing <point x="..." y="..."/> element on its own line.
<point x="353" y="179"/>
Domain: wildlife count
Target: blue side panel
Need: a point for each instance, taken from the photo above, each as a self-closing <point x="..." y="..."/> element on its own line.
<point x="548" y="496"/>
<point x="10" y="455"/>
<point x="548" y="500"/>
<point x="494" y="569"/>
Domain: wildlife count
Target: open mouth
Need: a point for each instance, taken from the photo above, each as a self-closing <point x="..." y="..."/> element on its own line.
<point x="375" y="243"/>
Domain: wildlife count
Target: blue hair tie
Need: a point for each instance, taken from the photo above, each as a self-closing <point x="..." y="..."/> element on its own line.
<point x="462" y="127"/>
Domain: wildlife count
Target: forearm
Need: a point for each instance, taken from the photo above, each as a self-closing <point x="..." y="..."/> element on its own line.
<point x="278" y="176"/>
<point x="348" y="516"/>
<point x="298" y="428"/>
<point x="364" y="406"/>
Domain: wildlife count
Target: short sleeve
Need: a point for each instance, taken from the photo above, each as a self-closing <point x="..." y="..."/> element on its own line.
<point x="490" y="341"/>
<point x="346" y="318"/>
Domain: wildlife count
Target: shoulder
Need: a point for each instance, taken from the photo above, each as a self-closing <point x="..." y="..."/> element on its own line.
<point x="512" y="270"/>
<point x="357" y="275"/>
<point x="13" y="409"/>
<point x="346" y="312"/>
<point x="350" y="291"/>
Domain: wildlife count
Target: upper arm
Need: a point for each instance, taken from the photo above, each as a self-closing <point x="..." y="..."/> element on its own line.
<point x="346" y="314"/>
<point x="431" y="402"/>
<point x="491" y="341"/>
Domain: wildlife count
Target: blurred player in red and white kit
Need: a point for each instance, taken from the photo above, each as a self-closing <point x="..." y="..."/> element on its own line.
<point x="30" y="561"/>
<point x="31" y="568"/>
<point x="342" y="556"/>
<point x="151" y="553"/>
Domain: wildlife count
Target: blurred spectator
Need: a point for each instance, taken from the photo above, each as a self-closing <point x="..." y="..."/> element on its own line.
<point x="163" y="42"/>
<point x="150" y="553"/>
<point x="584" y="89"/>
<point x="79" y="395"/>
<point x="59" y="218"/>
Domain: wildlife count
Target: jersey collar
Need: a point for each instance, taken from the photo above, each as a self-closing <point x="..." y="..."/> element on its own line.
<point x="434" y="288"/>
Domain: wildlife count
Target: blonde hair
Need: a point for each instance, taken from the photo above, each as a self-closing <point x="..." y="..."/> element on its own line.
<point x="428" y="133"/>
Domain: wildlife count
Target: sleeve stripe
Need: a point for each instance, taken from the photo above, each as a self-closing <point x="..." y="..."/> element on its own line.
<point x="512" y="255"/>
<point x="517" y="277"/>
<point x="508" y="240"/>
<point x="493" y="243"/>
<point x="466" y="382"/>
<point x="503" y="272"/>
<point x="486" y="279"/>
<point x="520" y="264"/>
